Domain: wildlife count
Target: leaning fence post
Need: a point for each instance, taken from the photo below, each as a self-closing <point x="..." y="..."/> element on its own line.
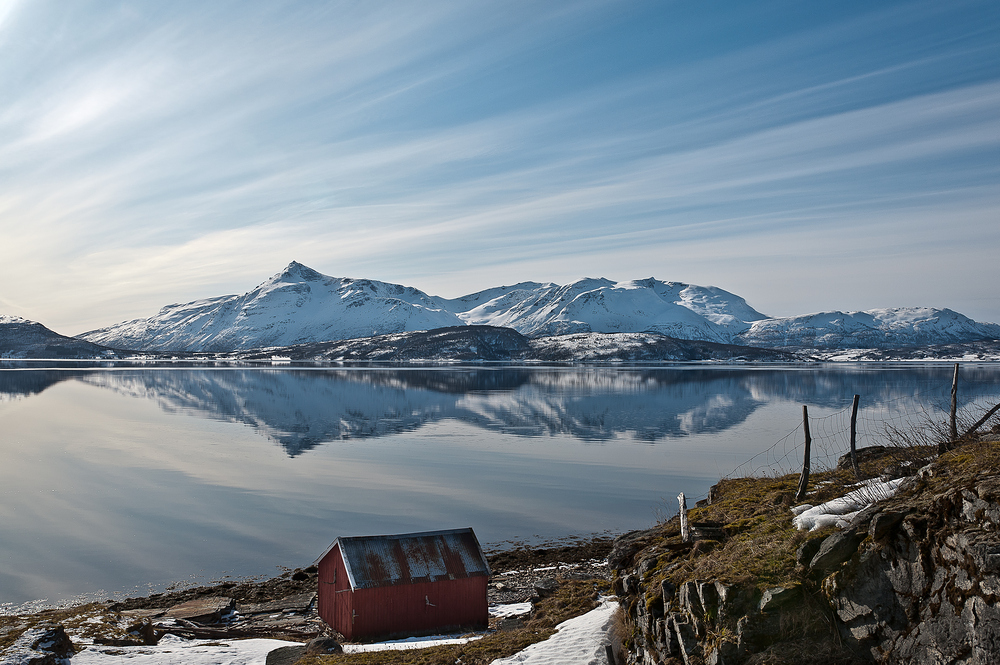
<point x="804" y="478"/>
<point x="685" y="530"/>
<point x="953" y="429"/>
<point x="981" y="421"/>
<point x="854" y="437"/>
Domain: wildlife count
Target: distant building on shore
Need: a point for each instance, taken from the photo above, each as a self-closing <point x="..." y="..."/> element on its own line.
<point x="406" y="584"/>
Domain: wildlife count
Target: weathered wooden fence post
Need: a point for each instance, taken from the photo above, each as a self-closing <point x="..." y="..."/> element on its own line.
<point x="981" y="421"/>
<point x="804" y="478"/>
<point x="685" y="530"/>
<point x="854" y="437"/>
<point x="953" y="429"/>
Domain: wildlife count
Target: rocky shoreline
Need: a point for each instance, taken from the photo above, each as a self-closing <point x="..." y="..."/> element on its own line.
<point x="282" y="607"/>
<point x="911" y="578"/>
<point x="914" y="578"/>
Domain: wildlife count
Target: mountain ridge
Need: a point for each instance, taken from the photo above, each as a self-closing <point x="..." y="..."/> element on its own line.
<point x="21" y="338"/>
<point x="300" y="306"/>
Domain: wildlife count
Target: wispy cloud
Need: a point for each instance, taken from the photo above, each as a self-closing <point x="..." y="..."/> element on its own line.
<point x="155" y="154"/>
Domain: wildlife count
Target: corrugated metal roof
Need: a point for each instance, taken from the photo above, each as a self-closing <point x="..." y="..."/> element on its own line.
<point x="408" y="558"/>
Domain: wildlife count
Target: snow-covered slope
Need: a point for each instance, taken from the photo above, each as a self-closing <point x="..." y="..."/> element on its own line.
<point x="296" y="306"/>
<point x="871" y="329"/>
<point x="301" y="306"/>
<point x="600" y="305"/>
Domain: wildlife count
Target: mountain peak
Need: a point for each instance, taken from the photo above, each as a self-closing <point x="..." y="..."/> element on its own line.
<point x="296" y="270"/>
<point x="300" y="305"/>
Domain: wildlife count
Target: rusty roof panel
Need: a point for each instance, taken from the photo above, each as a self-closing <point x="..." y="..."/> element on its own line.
<point x="378" y="561"/>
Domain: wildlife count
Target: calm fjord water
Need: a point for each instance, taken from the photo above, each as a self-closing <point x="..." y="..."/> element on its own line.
<point x="117" y="478"/>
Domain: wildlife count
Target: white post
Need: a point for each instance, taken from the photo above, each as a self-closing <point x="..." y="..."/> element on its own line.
<point x="685" y="531"/>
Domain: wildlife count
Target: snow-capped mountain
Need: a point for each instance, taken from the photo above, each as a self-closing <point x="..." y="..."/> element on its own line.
<point x="302" y="306"/>
<point x="299" y="306"/>
<point x="599" y="305"/>
<point x="296" y="306"/>
<point x="871" y="329"/>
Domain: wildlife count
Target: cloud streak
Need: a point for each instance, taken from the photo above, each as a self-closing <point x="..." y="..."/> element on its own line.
<point x="158" y="155"/>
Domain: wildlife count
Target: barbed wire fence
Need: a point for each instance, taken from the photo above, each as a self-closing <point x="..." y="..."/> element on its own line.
<point x="906" y="423"/>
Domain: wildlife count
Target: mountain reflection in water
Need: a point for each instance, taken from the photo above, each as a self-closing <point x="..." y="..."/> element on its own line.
<point x="117" y="477"/>
<point x="302" y="408"/>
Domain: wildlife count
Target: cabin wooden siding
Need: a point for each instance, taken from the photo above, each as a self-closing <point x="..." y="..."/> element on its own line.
<point x="420" y="607"/>
<point x="334" y="598"/>
<point x="427" y="607"/>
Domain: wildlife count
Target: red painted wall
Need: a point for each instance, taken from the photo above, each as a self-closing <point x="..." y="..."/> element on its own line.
<point x="333" y="597"/>
<point x="406" y="609"/>
<point x="426" y="607"/>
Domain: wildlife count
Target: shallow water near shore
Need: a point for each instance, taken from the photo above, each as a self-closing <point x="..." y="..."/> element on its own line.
<point x="117" y="480"/>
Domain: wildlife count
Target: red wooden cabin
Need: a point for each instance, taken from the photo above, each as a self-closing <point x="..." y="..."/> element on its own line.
<point x="406" y="584"/>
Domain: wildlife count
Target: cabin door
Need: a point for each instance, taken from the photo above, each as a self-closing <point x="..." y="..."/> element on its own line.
<point x="342" y="618"/>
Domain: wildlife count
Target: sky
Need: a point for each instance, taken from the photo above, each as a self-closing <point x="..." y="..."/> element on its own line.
<point x="807" y="156"/>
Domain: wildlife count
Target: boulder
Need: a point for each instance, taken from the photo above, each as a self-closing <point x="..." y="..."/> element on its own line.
<point x="835" y="550"/>
<point x="202" y="610"/>
<point x="807" y="550"/>
<point x="46" y="644"/>
<point x="323" y="645"/>
<point x="145" y="632"/>
<point x="883" y="523"/>
<point x="509" y="623"/>
<point x="776" y="598"/>
<point x="296" y="603"/>
<point x="285" y="655"/>
<point x="546" y="586"/>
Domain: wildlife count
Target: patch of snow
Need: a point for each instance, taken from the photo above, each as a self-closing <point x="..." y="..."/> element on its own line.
<point x="173" y="650"/>
<point x="578" y="641"/>
<point x="410" y="643"/>
<point x="510" y="610"/>
<point x="838" y="512"/>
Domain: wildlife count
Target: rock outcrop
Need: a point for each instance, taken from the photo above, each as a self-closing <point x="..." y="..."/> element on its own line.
<point x="914" y="579"/>
<point x="924" y="585"/>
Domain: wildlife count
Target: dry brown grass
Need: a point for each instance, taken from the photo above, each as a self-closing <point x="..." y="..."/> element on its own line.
<point x="761" y="543"/>
<point x="974" y="458"/>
